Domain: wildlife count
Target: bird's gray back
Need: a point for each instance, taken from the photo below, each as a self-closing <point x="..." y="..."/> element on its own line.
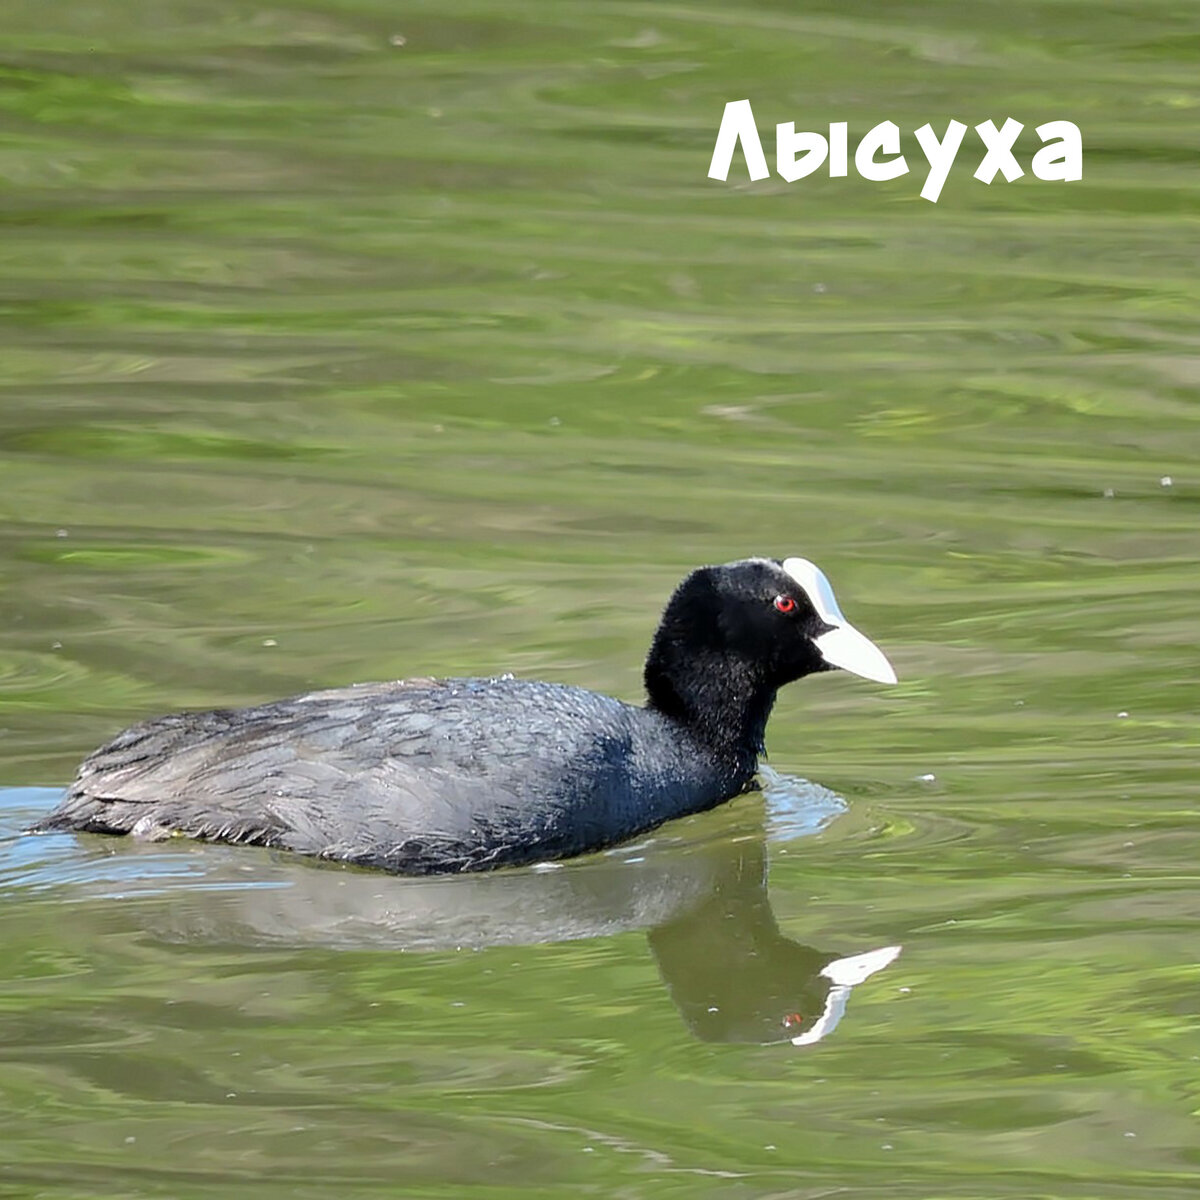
<point x="413" y="775"/>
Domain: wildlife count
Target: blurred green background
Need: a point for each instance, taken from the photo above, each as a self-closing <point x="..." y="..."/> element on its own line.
<point x="349" y="340"/>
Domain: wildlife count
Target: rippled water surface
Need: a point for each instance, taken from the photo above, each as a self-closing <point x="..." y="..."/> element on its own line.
<point x="352" y="340"/>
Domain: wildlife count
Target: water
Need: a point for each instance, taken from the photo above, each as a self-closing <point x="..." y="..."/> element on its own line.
<point x="346" y="342"/>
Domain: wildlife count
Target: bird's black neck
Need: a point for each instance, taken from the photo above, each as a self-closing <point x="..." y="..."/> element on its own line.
<point x="722" y="700"/>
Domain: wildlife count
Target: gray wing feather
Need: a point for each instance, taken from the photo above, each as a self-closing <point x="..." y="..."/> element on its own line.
<point x="415" y="775"/>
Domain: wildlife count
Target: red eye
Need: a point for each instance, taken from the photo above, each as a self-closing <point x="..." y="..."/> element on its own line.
<point x="785" y="604"/>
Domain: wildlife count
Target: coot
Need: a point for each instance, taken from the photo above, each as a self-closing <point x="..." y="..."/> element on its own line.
<point x="432" y="775"/>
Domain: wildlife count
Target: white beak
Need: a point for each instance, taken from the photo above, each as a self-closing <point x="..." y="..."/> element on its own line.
<point x="845" y="647"/>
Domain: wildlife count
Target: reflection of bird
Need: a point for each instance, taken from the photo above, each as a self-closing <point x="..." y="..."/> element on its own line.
<point x="729" y="970"/>
<point x="736" y="978"/>
<point x="450" y="775"/>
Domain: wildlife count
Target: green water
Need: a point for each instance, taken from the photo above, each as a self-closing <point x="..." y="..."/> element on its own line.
<point x="350" y="340"/>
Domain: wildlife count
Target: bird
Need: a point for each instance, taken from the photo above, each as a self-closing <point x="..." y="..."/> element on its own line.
<point x="429" y="775"/>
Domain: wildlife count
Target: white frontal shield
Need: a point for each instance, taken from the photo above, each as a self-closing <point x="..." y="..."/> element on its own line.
<point x="843" y="646"/>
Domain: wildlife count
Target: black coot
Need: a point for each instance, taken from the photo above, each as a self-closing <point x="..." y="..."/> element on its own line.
<point x="429" y="775"/>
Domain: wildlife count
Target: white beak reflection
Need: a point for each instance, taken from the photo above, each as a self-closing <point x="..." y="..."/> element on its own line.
<point x="844" y="974"/>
